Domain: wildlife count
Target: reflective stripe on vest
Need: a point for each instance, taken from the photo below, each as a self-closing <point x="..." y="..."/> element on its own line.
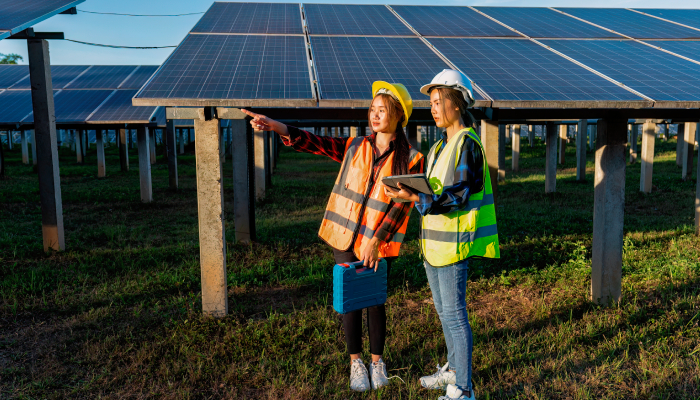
<point x="351" y="197"/>
<point x="470" y="232"/>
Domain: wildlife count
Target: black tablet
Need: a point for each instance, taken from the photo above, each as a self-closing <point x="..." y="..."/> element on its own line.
<point x="417" y="183"/>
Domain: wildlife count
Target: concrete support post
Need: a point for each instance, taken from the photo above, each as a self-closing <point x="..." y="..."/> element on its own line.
<point x="152" y="143"/>
<point x="490" y="136"/>
<point x="261" y="161"/>
<point x="581" y="139"/>
<point x="181" y="135"/>
<point x="531" y="135"/>
<point x="210" y="210"/>
<point x="633" y="143"/>
<point x="243" y="180"/>
<point x="648" y="141"/>
<point x="10" y="142"/>
<point x="353" y="131"/>
<point x="144" y="164"/>
<point x="550" y="174"/>
<point x="562" y="143"/>
<point x="591" y="137"/>
<point x="100" y="146"/>
<point x="33" y="147"/>
<point x="501" y="153"/>
<point x="25" y="148"/>
<point x="78" y="146"/>
<point x="124" y="148"/>
<point x="680" y="135"/>
<point x="608" y="211"/>
<point x="268" y="160"/>
<point x="516" y="147"/>
<point x="47" y="146"/>
<point x="171" y="142"/>
<point x="420" y="137"/>
<point x="271" y="138"/>
<point x="509" y="133"/>
<point x="688" y="150"/>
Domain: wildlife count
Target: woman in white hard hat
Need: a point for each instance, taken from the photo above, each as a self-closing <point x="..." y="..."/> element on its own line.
<point x="458" y="222"/>
<point x="361" y="222"/>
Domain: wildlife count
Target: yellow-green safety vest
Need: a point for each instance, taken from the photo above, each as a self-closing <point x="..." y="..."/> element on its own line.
<point x="449" y="238"/>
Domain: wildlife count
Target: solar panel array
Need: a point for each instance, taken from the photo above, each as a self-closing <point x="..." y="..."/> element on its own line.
<point x="82" y="93"/>
<point x="20" y="15"/>
<point x="515" y="56"/>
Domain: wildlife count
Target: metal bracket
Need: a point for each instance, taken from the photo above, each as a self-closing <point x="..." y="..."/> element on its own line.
<point x="30" y="34"/>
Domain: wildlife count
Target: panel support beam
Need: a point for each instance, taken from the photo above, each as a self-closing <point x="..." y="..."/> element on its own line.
<point x="99" y="144"/>
<point x="581" y="138"/>
<point x="171" y="144"/>
<point x="515" y="143"/>
<point x="550" y="169"/>
<point x="648" y="141"/>
<point x="25" y="148"/>
<point x="261" y="163"/>
<point x="562" y="143"/>
<point x="680" y="138"/>
<point x="142" y="138"/>
<point x="490" y="135"/>
<point x="243" y="180"/>
<point x="688" y="150"/>
<point x="124" y="149"/>
<point x="78" y="145"/>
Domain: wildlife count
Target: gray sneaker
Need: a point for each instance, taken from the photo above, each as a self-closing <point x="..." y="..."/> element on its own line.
<point x="455" y="393"/>
<point x="378" y="373"/>
<point x="359" y="379"/>
<point x="440" y="379"/>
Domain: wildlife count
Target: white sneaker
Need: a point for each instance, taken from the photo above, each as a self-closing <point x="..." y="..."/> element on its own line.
<point x="359" y="380"/>
<point x="440" y="379"/>
<point x="378" y="372"/>
<point x="455" y="393"/>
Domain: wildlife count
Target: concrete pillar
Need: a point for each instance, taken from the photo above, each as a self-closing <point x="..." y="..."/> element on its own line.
<point x="562" y="143"/>
<point x="243" y="180"/>
<point x="78" y="146"/>
<point x="516" y="147"/>
<point x="33" y="147"/>
<point x="608" y="211"/>
<point x="420" y="137"/>
<point x="10" y="143"/>
<point x="25" y="148"/>
<point x="268" y="160"/>
<point x="191" y="134"/>
<point x="171" y="144"/>
<point x="531" y="135"/>
<point x="509" y="133"/>
<point x="210" y="210"/>
<point x="272" y="138"/>
<point x="353" y="131"/>
<point x="550" y="180"/>
<point x="152" y="143"/>
<point x="648" y="141"/>
<point x="144" y="164"/>
<point x="261" y="160"/>
<point x="667" y="133"/>
<point x="99" y="144"/>
<point x="489" y="138"/>
<point x="581" y="139"/>
<point x="181" y="138"/>
<point x="633" y="143"/>
<point x="47" y="147"/>
<point x="688" y="150"/>
<point x="679" y="144"/>
<point x="124" y="149"/>
<point x="501" y="153"/>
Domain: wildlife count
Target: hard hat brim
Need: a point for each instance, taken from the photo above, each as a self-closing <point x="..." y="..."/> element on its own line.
<point x="425" y="89"/>
<point x="401" y="93"/>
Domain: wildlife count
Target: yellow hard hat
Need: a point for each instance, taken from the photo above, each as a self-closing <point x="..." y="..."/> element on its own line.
<point x="397" y="91"/>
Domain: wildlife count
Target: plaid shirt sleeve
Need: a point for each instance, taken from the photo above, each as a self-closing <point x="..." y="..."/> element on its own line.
<point x="398" y="212"/>
<point x="307" y="142"/>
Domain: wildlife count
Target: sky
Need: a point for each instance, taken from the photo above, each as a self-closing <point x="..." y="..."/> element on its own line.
<point x="169" y="31"/>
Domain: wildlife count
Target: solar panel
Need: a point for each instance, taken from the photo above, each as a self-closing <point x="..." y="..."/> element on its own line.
<point x="16" y="104"/>
<point x="61" y="75"/>
<point x="234" y="67"/>
<point x="690" y="49"/>
<point x="102" y="77"/>
<point x="11" y="74"/>
<point x="545" y="23"/>
<point x="361" y="20"/>
<point x="632" y="24"/>
<point x="118" y="108"/>
<point x="686" y="17"/>
<point x="510" y="69"/>
<point x="347" y="66"/>
<point x="76" y="105"/>
<point x="18" y="15"/>
<point x="251" y="18"/>
<point x="138" y="78"/>
<point x="451" y="22"/>
<point x="654" y="73"/>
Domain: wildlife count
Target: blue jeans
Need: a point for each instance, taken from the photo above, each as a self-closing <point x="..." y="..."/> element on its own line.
<point x="449" y="287"/>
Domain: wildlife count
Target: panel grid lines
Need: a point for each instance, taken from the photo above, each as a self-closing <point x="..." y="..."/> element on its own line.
<point x="355" y="19"/>
<point x="449" y="21"/>
<point x="632" y="24"/>
<point x="119" y="108"/>
<point x="685" y="17"/>
<point x="251" y="18"/>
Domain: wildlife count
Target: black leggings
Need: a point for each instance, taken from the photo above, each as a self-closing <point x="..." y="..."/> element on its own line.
<point x="352" y="321"/>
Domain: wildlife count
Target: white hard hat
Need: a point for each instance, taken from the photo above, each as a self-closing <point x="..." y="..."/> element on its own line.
<point x="452" y="79"/>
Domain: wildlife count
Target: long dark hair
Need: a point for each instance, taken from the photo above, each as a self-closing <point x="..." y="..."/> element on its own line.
<point x="457" y="99"/>
<point x="401" y="147"/>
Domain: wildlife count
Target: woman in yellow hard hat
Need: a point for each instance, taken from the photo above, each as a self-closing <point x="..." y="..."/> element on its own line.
<point x="361" y="222"/>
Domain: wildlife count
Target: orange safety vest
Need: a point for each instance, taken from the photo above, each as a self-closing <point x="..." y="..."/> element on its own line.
<point x="353" y="201"/>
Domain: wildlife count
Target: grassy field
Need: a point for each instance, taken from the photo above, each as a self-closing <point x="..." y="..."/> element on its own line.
<point x="118" y="314"/>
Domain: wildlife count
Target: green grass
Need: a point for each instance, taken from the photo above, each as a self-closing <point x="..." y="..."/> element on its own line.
<point x="118" y="314"/>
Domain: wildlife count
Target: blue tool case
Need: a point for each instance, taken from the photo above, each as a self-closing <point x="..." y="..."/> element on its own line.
<point x="356" y="287"/>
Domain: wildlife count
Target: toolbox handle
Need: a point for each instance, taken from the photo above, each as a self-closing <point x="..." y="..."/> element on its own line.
<point x="361" y="270"/>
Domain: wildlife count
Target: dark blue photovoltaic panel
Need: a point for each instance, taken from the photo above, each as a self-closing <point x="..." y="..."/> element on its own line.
<point x="451" y="22"/>
<point x="539" y="22"/>
<point x="17" y="15"/>
<point x="76" y="105"/>
<point x="234" y="67"/>
<point x="508" y="69"/>
<point x="632" y="24"/>
<point x="118" y="108"/>
<point x="346" y="73"/>
<point x="11" y="74"/>
<point x="251" y="18"/>
<point x="652" y="72"/>
<point x="361" y="20"/>
<point x="14" y="106"/>
<point x="686" y="17"/>
<point x="686" y="48"/>
<point x="61" y="75"/>
<point x="102" y="77"/>
<point x="139" y="77"/>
